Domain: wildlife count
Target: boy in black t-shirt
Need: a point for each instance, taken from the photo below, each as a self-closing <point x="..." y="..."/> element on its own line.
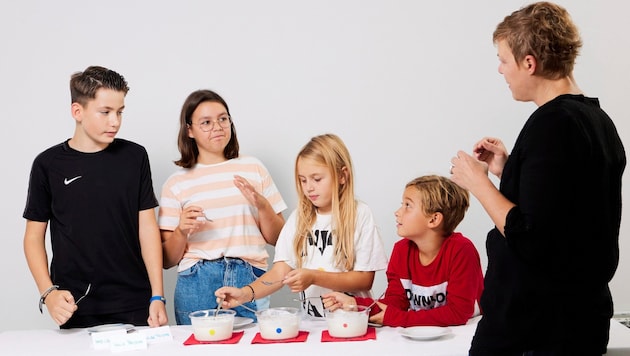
<point x="97" y="193"/>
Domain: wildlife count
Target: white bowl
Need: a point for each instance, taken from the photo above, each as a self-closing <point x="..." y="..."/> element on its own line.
<point x="208" y="327"/>
<point x="278" y="323"/>
<point x="348" y="321"/>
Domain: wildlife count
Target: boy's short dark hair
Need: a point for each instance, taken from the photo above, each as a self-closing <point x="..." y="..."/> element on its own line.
<point x="84" y="85"/>
<point x="441" y="195"/>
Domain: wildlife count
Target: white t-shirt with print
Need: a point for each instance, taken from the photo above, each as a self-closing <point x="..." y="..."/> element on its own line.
<point x="368" y="245"/>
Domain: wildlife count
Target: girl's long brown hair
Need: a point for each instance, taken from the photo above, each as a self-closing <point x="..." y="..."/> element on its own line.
<point x="187" y="146"/>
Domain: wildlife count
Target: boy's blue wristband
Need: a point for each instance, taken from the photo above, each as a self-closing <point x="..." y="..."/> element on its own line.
<point x="157" y="297"/>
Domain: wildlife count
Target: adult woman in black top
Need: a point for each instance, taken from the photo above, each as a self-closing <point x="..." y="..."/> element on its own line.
<point x="557" y="212"/>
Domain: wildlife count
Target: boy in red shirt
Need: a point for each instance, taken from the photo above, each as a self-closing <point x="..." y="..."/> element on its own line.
<point x="434" y="274"/>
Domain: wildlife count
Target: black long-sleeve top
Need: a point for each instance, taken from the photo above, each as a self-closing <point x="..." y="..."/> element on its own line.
<point x="546" y="285"/>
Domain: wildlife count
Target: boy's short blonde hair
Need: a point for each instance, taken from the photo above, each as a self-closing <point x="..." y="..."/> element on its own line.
<point x="440" y="195"/>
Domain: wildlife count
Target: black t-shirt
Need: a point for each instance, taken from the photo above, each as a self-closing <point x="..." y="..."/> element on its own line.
<point x="92" y="202"/>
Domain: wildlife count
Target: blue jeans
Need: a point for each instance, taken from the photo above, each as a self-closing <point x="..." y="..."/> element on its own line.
<point x="196" y="286"/>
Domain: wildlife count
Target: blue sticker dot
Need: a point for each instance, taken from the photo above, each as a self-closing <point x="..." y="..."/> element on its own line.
<point x="279" y="330"/>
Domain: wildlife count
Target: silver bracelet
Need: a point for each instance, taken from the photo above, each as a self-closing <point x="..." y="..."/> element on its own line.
<point x="44" y="295"/>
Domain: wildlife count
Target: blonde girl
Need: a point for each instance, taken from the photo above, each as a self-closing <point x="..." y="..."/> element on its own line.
<point x="329" y="243"/>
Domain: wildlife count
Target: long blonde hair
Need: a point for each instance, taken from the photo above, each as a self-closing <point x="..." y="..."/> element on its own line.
<point x="329" y="150"/>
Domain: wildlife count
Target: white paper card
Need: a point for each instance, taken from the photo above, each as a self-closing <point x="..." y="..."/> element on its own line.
<point x="101" y="340"/>
<point x="127" y="342"/>
<point x="157" y="335"/>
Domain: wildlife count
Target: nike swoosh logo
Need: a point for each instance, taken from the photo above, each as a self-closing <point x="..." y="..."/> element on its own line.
<point x="68" y="181"/>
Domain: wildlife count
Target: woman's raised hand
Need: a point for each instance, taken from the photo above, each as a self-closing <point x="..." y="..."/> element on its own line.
<point x="492" y="151"/>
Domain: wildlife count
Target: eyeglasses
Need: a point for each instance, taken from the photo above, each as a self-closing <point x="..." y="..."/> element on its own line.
<point x="206" y="124"/>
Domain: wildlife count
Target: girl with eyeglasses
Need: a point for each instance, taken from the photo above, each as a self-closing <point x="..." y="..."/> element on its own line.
<point x="218" y="211"/>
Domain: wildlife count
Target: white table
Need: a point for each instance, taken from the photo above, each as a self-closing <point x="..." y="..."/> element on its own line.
<point x="388" y="342"/>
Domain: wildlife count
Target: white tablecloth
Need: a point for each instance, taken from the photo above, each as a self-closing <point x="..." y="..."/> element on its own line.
<point x="388" y="341"/>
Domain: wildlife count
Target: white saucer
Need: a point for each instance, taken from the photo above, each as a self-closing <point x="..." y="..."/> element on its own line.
<point x="424" y="332"/>
<point x="110" y="327"/>
<point x="240" y="321"/>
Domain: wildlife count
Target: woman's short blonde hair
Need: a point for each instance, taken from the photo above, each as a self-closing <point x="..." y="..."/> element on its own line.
<point x="546" y="32"/>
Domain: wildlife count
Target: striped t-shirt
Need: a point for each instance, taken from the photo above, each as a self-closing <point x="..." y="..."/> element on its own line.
<point x="234" y="230"/>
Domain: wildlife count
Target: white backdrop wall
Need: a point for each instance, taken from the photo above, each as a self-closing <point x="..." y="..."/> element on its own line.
<point x="405" y="83"/>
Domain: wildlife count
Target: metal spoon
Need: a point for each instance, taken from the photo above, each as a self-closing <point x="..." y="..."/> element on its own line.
<point x="84" y="294"/>
<point x="248" y="308"/>
<point x="205" y="217"/>
<point x="304" y="299"/>
<point x="220" y="304"/>
<point x="375" y="300"/>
